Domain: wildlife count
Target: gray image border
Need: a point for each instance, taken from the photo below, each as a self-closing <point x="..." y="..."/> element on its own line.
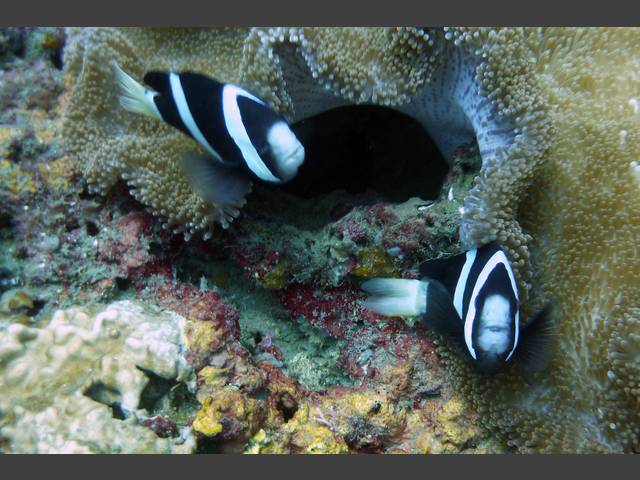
<point x="323" y="13"/>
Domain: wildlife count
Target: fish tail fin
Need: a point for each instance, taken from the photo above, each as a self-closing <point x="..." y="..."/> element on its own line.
<point x="396" y="296"/>
<point x="133" y="97"/>
<point x="536" y="341"/>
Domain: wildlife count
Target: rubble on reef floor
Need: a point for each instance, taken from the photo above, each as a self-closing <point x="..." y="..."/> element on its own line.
<point x="252" y="341"/>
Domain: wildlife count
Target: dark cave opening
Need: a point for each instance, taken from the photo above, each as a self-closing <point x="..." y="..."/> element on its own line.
<point x="364" y="147"/>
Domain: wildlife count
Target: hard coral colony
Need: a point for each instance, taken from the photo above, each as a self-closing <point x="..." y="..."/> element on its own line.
<point x="275" y="353"/>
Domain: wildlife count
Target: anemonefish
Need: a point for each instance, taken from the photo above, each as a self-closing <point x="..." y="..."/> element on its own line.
<point x="245" y="139"/>
<point x="473" y="299"/>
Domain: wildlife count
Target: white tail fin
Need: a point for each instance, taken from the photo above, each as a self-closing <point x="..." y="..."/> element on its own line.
<point x="396" y="296"/>
<point x="133" y="96"/>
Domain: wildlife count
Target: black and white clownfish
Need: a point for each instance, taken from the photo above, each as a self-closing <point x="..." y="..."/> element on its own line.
<point x="244" y="137"/>
<point x="471" y="298"/>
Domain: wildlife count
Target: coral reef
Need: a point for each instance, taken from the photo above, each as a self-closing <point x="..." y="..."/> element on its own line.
<point x="285" y="359"/>
<point x="65" y="385"/>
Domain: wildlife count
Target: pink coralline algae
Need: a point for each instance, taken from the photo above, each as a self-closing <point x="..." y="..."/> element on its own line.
<point x="161" y="426"/>
<point x="369" y="339"/>
<point x="331" y="310"/>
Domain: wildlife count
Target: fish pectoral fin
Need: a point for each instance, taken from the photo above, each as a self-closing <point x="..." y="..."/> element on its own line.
<point x="536" y="342"/>
<point x="441" y="315"/>
<point x="217" y="184"/>
<point x="395" y="297"/>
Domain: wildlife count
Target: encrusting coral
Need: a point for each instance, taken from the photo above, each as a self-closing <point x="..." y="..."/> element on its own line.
<point x="61" y="382"/>
<point x="555" y="116"/>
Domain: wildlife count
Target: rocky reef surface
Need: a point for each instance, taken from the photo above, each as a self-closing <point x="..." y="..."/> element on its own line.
<point x="130" y="322"/>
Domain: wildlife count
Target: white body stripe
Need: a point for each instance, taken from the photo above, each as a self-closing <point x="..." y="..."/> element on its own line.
<point x="238" y="132"/>
<point x="185" y="114"/>
<point x="496" y="258"/>
<point x="462" y="281"/>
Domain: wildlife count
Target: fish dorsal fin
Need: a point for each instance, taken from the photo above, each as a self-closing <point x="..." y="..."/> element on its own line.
<point x="159" y="81"/>
<point x="445" y="270"/>
<point x="535" y="346"/>
<point x="434" y="269"/>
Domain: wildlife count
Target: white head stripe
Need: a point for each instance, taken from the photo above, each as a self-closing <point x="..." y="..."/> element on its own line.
<point x="238" y="132"/>
<point x="185" y="114"/>
<point x="496" y="258"/>
<point x="462" y="280"/>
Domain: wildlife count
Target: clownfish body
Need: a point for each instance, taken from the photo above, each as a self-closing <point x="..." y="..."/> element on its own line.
<point x="245" y="139"/>
<point x="473" y="299"/>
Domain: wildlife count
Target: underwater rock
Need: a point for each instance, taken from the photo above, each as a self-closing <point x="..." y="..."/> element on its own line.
<point x="370" y="240"/>
<point x="76" y="385"/>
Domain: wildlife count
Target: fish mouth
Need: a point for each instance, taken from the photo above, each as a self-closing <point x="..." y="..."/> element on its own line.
<point x="296" y="157"/>
<point x="291" y="163"/>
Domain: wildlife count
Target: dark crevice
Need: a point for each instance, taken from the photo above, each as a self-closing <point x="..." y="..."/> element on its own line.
<point x="7" y="279"/>
<point x="162" y="395"/>
<point x="37" y="306"/>
<point x="92" y="228"/>
<point x="109" y="396"/>
<point x="257" y="337"/>
<point x="156" y="388"/>
<point x="71" y="224"/>
<point x="85" y="194"/>
<point x="363" y="148"/>
<point x="56" y="57"/>
<point x="287" y="406"/>
<point x="208" y="445"/>
<point x="122" y="283"/>
<point x="260" y="394"/>
<point x="155" y="249"/>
